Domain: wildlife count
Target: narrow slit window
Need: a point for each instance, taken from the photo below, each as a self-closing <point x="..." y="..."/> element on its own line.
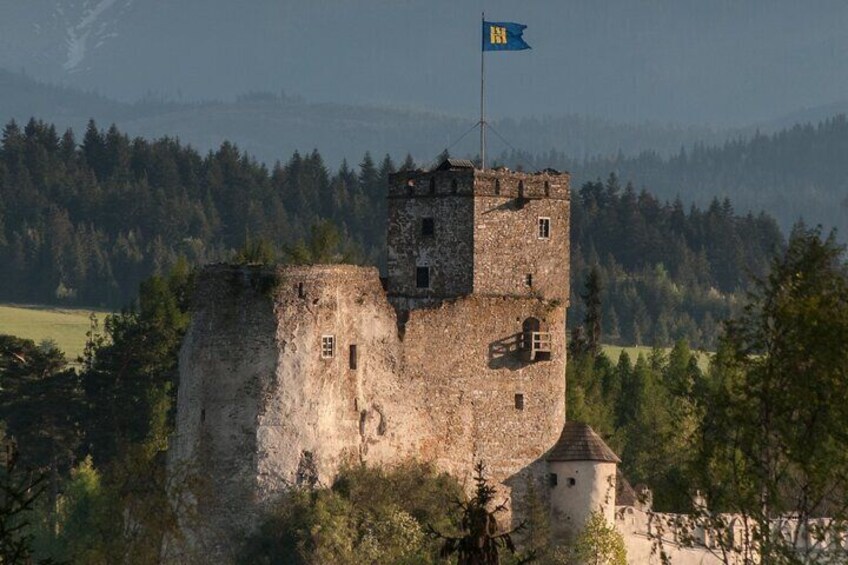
<point x="547" y="188"/>
<point x="202" y="415"/>
<point x="353" y="357"/>
<point x="432" y="185"/>
<point x="428" y="226"/>
<point x="497" y="186"/>
<point x="454" y="186"/>
<point x="544" y="228"/>
<point x="328" y="347"/>
<point x="422" y="277"/>
<point x="529" y="279"/>
<point x="519" y="402"/>
<point x="300" y="293"/>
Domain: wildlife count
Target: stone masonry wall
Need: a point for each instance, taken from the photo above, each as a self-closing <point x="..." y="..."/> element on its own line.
<point x="463" y="367"/>
<point x="227" y="362"/>
<point x="260" y="410"/>
<point x="446" y="197"/>
<point x="508" y="249"/>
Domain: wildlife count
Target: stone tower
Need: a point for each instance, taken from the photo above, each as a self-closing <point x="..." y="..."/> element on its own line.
<point x="456" y="231"/>
<point x="288" y="373"/>
<point x="582" y="479"/>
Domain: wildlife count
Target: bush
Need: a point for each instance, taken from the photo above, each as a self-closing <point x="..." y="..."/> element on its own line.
<point x="369" y="515"/>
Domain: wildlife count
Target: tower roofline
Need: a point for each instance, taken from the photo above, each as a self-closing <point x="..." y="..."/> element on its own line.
<point x="579" y="442"/>
<point x="460" y="178"/>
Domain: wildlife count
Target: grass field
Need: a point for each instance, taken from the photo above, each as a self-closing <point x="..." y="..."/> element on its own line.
<point x="614" y="351"/>
<point x="67" y="327"/>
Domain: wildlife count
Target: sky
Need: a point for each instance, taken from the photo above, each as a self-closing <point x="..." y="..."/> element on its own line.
<point x="708" y="62"/>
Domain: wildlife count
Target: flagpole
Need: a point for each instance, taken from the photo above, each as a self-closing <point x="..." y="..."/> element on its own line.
<point x="482" y="84"/>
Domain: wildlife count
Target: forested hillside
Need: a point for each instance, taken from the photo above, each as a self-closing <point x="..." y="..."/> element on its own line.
<point x="799" y="172"/>
<point x="85" y="221"/>
<point x="666" y="273"/>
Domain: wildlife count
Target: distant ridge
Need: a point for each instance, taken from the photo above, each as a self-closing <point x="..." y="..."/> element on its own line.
<point x="271" y="126"/>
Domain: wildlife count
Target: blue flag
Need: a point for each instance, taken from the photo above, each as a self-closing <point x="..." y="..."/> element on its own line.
<point x="503" y="36"/>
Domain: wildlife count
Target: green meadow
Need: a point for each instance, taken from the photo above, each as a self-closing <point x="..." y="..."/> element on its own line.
<point x="67" y="327"/>
<point x="614" y="351"/>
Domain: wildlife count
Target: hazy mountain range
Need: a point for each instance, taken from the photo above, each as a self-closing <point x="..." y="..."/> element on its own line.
<point x="717" y="62"/>
<point x="273" y="126"/>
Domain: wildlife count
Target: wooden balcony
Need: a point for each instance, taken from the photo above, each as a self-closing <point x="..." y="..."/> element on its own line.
<point x="536" y="346"/>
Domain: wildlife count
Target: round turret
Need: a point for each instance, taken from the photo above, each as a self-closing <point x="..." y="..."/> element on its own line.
<point x="582" y="470"/>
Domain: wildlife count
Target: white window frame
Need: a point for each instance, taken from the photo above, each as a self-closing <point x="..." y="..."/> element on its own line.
<point x="546" y="233"/>
<point x="328" y="346"/>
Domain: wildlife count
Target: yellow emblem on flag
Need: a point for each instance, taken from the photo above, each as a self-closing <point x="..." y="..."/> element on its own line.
<point x="497" y="35"/>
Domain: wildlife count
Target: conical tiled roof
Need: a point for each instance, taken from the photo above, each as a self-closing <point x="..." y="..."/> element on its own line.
<point x="624" y="493"/>
<point x="579" y="442"/>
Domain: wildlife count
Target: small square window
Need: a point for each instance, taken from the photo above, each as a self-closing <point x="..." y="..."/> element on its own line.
<point x="572" y="481"/>
<point x="328" y="346"/>
<point x="428" y="226"/>
<point x="353" y="357"/>
<point x="552" y="479"/>
<point x="422" y="277"/>
<point x="519" y="402"/>
<point x="544" y="228"/>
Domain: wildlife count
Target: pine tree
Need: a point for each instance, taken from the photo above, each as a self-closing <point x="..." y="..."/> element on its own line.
<point x="592" y="322"/>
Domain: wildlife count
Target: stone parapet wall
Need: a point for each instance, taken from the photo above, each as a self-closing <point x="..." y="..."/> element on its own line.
<point x="474" y="182"/>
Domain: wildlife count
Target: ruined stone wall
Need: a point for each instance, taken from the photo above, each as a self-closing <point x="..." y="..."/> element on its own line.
<point x="510" y="258"/>
<point x="227" y="363"/>
<point x="446" y="198"/>
<point x="260" y="410"/>
<point x="322" y="412"/>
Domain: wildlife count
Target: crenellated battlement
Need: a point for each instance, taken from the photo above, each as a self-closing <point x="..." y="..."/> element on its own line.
<point x="464" y="180"/>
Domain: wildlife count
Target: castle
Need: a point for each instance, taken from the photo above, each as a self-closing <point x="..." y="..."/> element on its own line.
<point x="458" y="356"/>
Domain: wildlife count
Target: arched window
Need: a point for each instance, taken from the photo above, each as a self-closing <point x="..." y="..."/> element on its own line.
<point x="531" y="324"/>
